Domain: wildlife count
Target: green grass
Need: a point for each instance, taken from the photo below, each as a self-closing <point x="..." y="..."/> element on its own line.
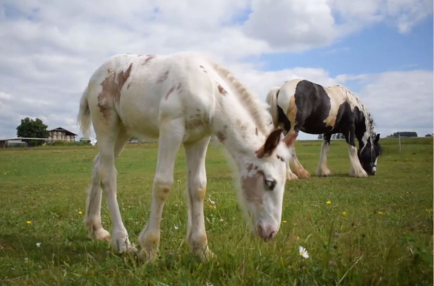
<point x="385" y="237"/>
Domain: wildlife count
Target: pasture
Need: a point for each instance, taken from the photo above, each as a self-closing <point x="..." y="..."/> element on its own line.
<point x="376" y="231"/>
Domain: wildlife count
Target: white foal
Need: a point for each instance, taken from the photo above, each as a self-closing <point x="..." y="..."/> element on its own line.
<point x="181" y="99"/>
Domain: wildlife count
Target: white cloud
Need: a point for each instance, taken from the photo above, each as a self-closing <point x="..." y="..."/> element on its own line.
<point x="291" y="25"/>
<point x="50" y="48"/>
<point x="404" y="14"/>
<point x="400" y="101"/>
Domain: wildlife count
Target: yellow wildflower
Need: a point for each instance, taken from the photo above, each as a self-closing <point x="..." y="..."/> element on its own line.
<point x="284" y="221"/>
<point x="329" y="202"/>
<point x="29" y="222"/>
<point x="80" y="212"/>
<point x="380" y="213"/>
<point x="344" y="213"/>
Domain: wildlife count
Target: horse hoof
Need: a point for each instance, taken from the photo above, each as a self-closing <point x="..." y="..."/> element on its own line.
<point x="148" y="256"/>
<point x="101" y="234"/>
<point x="303" y="174"/>
<point x="323" y="173"/>
<point x="205" y="255"/>
<point x="291" y="177"/>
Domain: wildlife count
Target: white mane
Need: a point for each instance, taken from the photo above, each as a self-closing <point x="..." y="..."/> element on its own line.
<point x="256" y="108"/>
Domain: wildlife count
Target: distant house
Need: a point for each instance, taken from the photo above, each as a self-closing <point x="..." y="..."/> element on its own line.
<point x="61" y="134"/>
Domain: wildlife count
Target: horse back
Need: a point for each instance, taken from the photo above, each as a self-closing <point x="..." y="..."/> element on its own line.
<point x="144" y="90"/>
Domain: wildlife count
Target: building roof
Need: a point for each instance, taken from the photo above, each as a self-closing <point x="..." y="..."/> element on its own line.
<point x="60" y="129"/>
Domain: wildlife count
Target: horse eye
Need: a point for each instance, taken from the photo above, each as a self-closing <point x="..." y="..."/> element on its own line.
<point x="269" y="184"/>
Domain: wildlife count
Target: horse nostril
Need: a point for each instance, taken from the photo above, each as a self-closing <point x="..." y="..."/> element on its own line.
<point x="272" y="234"/>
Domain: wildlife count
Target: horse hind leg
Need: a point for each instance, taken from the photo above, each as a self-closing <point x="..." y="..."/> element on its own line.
<point x="104" y="177"/>
<point x="295" y="165"/>
<point x="93" y="206"/>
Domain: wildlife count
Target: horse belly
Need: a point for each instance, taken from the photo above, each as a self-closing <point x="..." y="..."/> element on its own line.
<point x="139" y="114"/>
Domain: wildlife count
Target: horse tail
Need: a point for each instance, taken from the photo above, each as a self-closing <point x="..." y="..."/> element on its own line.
<point x="272" y="105"/>
<point x="83" y="118"/>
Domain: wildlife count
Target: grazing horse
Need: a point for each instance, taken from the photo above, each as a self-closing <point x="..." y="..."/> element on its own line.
<point x="181" y="99"/>
<point x="309" y="107"/>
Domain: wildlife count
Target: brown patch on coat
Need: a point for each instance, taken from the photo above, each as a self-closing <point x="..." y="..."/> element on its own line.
<point x="163" y="77"/>
<point x="331" y="120"/>
<point x="169" y="92"/>
<point x="222" y="90"/>
<point x="252" y="187"/>
<point x="112" y="90"/>
<point x="163" y="194"/>
<point x="221" y="136"/>
<point x="200" y="194"/>
<point x="249" y="167"/>
<point x="122" y="78"/>
<point x="148" y="59"/>
<point x="292" y="112"/>
<point x="193" y="123"/>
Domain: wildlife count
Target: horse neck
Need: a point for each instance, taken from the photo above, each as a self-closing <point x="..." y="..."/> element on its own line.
<point x="236" y="130"/>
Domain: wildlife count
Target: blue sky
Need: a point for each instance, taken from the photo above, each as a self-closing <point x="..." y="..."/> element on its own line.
<point x="381" y="49"/>
<point x="376" y="49"/>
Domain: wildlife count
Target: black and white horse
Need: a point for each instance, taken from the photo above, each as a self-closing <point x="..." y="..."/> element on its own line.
<point x="314" y="109"/>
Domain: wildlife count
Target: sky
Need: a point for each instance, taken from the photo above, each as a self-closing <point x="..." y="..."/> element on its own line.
<point x="380" y="49"/>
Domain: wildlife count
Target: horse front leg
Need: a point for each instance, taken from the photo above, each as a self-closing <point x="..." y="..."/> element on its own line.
<point x="195" y="154"/>
<point x="170" y="139"/>
<point x="322" y="169"/>
<point x="356" y="169"/>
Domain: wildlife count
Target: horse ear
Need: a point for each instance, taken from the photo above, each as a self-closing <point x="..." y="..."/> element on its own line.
<point x="270" y="144"/>
<point x="377" y="138"/>
<point x="290" y="139"/>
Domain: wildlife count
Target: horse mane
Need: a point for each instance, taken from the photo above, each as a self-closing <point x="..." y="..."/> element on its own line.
<point x="369" y="120"/>
<point x="255" y="107"/>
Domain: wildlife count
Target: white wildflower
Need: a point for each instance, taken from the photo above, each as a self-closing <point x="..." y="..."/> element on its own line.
<point x="303" y="252"/>
<point x="38" y="244"/>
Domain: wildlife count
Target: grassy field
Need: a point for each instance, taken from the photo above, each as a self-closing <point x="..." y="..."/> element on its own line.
<point x="373" y="231"/>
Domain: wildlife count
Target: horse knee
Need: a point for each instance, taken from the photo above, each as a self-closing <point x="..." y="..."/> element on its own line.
<point x="162" y="187"/>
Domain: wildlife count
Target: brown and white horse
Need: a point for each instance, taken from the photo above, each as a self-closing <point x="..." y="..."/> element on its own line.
<point x="309" y="107"/>
<point x="181" y="99"/>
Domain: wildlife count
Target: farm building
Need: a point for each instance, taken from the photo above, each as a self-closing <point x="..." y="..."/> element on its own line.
<point x="61" y="134"/>
<point x="18" y="142"/>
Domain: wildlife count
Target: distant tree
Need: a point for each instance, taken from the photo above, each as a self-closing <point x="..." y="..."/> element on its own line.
<point x="34" y="129"/>
<point x="403" y="134"/>
<point x="428" y="135"/>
